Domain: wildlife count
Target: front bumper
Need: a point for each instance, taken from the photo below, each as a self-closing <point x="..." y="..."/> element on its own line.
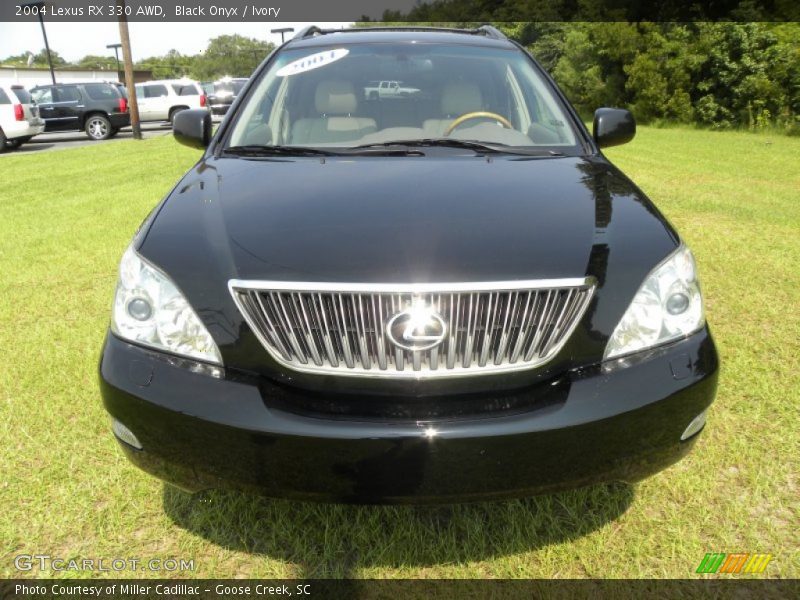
<point x="619" y="421"/>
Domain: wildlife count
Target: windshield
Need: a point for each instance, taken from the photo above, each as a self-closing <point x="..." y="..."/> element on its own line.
<point x="361" y="94"/>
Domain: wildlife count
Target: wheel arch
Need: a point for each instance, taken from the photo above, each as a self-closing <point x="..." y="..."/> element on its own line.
<point x="177" y="108"/>
<point x="92" y="113"/>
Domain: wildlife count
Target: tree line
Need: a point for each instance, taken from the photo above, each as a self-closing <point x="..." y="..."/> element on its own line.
<point x="225" y="55"/>
<point x="719" y="75"/>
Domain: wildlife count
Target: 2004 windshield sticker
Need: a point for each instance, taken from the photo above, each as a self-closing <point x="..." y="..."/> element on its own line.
<point x="313" y="61"/>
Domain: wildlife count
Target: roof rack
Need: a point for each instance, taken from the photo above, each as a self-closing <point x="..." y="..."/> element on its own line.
<point x="307" y="32"/>
<point x="490" y="32"/>
<point x="486" y="30"/>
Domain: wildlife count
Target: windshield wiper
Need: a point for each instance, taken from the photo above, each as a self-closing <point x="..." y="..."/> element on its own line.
<point x="265" y="150"/>
<point x="479" y="147"/>
<point x="392" y="148"/>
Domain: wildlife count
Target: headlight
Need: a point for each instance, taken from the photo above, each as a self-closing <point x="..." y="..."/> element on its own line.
<point x="149" y="310"/>
<point x="668" y="306"/>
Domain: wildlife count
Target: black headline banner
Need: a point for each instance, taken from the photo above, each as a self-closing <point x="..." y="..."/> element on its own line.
<point x="396" y="589"/>
<point x="231" y="11"/>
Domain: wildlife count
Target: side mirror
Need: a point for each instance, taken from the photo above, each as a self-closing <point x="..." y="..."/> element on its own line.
<point x="613" y="126"/>
<point x="192" y="128"/>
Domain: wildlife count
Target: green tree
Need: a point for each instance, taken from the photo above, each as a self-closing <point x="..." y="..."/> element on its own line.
<point x="103" y="63"/>
<point x="55" y="57"/>
<point x="230" y="55"/>
<point x="660" y="74"/>
<point x="39" y="59"/>
<point x="172" y="65"/>
<point x="578" y="71"/>
<point x="743" y="80"/>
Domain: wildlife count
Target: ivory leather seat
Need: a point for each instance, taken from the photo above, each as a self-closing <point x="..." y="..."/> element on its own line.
<point x="457" y="98"/>
<point x="335" y="102"/>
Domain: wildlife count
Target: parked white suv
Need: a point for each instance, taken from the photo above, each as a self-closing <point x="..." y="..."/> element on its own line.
<point x="19" y="117"/>
<point x="161" y="100"/>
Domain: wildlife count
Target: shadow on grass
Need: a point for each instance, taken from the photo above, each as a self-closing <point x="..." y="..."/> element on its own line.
<point x="329" y="540"/>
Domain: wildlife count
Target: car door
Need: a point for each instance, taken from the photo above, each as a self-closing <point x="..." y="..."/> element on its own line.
<point x="143" y="102"/>
<point x="152" y="99"/>
<point x="47" y="110"/>
<point x="69" y="107"/>
<point x="158" y="100"/>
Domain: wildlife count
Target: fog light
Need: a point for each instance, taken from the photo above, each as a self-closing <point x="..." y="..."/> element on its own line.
<point x="125" y="434"/>
<point x="140" y="309"/>
<point x="677" y="303"/>
<point x="695" y="426"/>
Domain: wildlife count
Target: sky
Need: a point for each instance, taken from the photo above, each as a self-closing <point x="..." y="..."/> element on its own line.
<point x="73" y="41"/>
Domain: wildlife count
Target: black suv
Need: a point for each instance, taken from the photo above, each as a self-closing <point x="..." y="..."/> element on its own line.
<point x="99" y="109"/>
<point x="446" y="295"/>
<point x="222" y="93"/>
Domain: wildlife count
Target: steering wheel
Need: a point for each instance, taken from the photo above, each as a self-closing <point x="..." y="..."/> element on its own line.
<point x="480" y="114"/>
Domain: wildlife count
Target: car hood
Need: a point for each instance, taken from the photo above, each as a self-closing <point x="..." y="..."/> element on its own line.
<point x="412" y="220"/>
<point x="406" y="220"/>
<point x="395" y="219"/>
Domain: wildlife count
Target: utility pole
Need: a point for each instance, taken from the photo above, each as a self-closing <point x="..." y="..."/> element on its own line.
<point x="39" y="8"/>
<point x="133" y="105"/>
<point x="116" y="48"/>
<point x="282" y="31"/>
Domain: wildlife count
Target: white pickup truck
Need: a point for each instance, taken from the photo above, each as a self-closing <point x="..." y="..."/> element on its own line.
<point x="387" y="89"/>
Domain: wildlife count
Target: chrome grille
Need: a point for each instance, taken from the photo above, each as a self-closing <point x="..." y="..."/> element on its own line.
<point x="341" y="328"/>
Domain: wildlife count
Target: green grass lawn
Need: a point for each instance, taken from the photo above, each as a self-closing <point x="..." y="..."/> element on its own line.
<point x="67" y="491"/>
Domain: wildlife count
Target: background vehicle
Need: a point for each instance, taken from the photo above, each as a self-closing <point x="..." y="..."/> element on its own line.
<point x="19" y="117"/>
<point x="162" y="100"/>
<point x="97" y="108"/>
<point x="222" y="93"/>
<point x="388" y="89"/>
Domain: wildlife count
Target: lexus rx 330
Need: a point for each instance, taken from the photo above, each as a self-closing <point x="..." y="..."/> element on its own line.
<point x="444" y="295"/>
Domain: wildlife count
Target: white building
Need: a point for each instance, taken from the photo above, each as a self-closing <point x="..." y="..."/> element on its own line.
<point x="33" y="76"/>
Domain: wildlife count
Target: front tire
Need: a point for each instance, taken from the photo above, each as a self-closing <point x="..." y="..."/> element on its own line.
<point x="98" y="127"/>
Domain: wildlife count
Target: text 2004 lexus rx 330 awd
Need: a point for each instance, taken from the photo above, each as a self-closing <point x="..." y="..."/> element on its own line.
<point x="403" y="271"/>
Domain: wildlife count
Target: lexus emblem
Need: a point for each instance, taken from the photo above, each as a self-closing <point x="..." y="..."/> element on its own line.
<point x="417" y="328"/>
